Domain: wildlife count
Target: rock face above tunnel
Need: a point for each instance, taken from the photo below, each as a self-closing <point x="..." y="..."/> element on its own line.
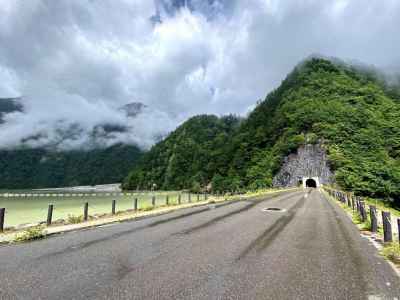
<point x="309" y="161"/>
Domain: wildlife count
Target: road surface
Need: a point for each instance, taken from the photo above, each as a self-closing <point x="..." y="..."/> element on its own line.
<point x="309" y="250"/>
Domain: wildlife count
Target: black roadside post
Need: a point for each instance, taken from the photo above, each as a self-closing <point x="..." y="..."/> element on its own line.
<point x="387" y="227"/>
<point x="365" y="212"/>
<point x="398" y="229"/>
<point x="364" y="216"/>
<point x="361" y="211"/>
<point x="374" y="221"/>
<point x="190" y="198"/>
<point x="135" y="204"/>
<point x="86" y="211"/>
<point x="153" y="201"/>
<point x="113" y="207"/>
<point x="2" y="214"/>
<point x="179" y="199"/>
<point x="167" y="200"/>
<point x="49" y="214"/>
<point x="198" y="197"/>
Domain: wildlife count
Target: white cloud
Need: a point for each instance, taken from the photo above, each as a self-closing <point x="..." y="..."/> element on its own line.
<point x="77" y="62"/>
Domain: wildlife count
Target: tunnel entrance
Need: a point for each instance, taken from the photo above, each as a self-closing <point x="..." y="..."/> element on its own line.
<point x="311" y="183"/>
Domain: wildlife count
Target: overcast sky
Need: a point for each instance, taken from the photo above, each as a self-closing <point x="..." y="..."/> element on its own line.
<point x="78" y="61"/>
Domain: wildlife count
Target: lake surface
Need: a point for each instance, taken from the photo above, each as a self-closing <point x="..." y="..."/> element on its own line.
<point x="33" y="209"/>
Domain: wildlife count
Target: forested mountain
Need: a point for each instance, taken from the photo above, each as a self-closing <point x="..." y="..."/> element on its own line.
<point x="41" y="168"/>
<point x="188" y="157"/>
<point x="49" y="165"/>
<point x="351" y="110"/>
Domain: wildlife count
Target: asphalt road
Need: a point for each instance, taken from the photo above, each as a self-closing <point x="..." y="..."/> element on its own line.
<point x="310" y="250"/>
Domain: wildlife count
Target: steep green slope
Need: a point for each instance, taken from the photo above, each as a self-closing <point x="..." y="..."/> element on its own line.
<point x="39" y="168"/>
<point x="187" y="157"/>
<point x="354" y="113"/>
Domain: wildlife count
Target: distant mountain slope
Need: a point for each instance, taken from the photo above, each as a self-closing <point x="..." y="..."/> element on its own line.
<point x="187" y="157"/>
<point x="354" y="113"/>
<point x="50" y="165"/>
<point x="40" y="168"/>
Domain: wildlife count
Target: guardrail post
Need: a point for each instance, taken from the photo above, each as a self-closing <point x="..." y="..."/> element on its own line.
<point x="179" y="199"/>
<point x="86" y="211"/>
<point x="49" y="214"/>
<point x="167" y="200"/>
<point x="398" y="229"/>
<point x="113" y="207"/>
<point x="363" y="212"/>
<point x="135" y="204"/>
<point x="374" y="221"/>
<point x="387" y="227"/>
<point x="2" y="215"/>
<point x="153" y="201"/>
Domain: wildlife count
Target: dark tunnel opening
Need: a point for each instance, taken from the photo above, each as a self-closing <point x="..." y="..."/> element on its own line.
<point x="311" y="183"/>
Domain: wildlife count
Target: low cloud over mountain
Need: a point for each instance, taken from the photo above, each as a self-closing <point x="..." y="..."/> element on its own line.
<point x="76" y="63"/>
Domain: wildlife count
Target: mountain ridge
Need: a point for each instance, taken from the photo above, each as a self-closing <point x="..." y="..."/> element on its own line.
<point x="352" y="111"/>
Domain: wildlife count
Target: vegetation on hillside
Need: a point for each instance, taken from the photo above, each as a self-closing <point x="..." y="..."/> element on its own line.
<point x="40" y="168"/>
<point x="352" y="111"/>
<point x="188" y="157"/>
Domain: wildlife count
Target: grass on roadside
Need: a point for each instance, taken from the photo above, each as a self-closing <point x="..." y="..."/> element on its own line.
<point x="391" y="251"/>
<point x="147" y="208"/>
<point x="383" y="206"/>
<point x="355" y="216"/>
<point x="72" y="219"/>
<point x="30" y="234"/>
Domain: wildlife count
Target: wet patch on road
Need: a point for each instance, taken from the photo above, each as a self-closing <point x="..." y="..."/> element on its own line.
<point x="117" y="235"/>
<point x="121" y="234"/>
<point x="220" y="218"/>
<point x="230" y="214"/>
<point x="272" y="232"/>
<point x="274" y="209"/>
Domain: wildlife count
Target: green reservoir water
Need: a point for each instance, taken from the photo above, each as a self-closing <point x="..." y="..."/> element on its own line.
<point x="32" y="209"/>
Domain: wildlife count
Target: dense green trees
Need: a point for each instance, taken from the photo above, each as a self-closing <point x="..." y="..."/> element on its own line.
<point x="353" y="112"/>
<point x="189" y="157"/>
<point x="40" y="168"/>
